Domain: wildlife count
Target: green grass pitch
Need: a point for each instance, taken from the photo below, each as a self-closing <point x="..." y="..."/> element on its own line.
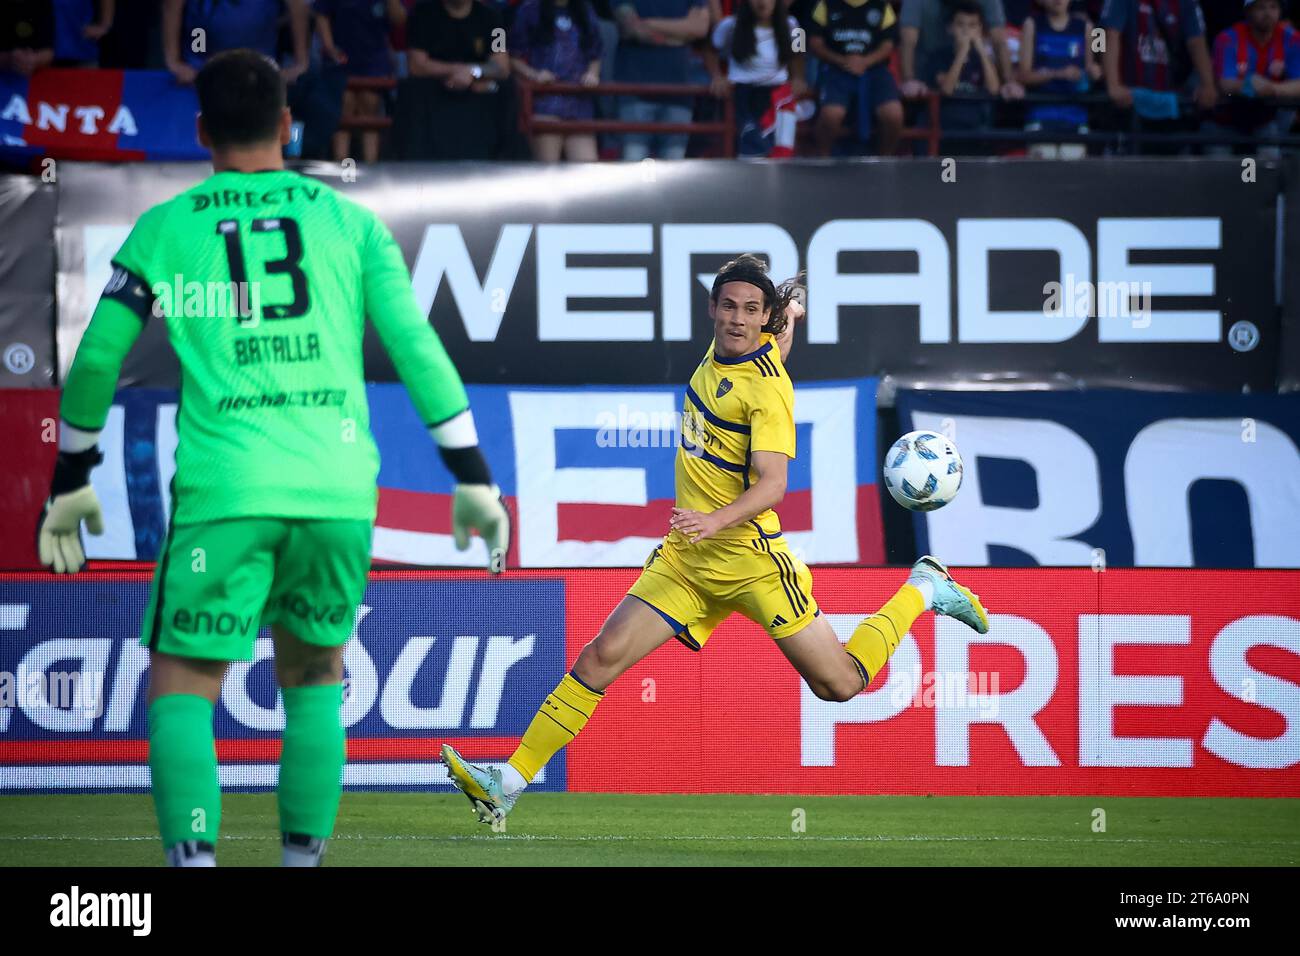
<point x="422" y="829"/>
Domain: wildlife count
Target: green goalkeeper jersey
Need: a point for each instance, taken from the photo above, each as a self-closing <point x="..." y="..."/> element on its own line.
<point x="265" y="281"/>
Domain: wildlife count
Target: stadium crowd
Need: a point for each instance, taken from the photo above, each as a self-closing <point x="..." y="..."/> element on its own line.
<point x="445" y="79"/>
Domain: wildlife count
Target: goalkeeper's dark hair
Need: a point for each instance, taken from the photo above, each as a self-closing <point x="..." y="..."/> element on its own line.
<point x="241" y="98"/>
<point x="753" y="269"/>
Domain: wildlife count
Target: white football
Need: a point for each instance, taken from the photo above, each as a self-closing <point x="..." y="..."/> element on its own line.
<point x="923" y="471"/>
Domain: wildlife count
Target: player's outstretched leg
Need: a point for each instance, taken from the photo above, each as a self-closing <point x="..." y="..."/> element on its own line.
<point x="929" y="586"/>
<point x="948" y="597"/>
<point x="482" y="785"/>
<point x="492" y="791"/>
<point x="632" y="631"/>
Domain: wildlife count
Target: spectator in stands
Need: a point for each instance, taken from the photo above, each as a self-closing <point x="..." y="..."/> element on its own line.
<point x="133" y="42"/>
<point x="1257" y="61"/>
<point x="397" y="39"/>
<point x="457" y="102"/>
<point x="26" y="35"/>
<point x="854" y="40"/>
<point x="77" y="31"/>
<point x="802" y="10"/>
<point x="966" y="69"/>
<point x="763" y="75"/>
<point x="229" y="25"/>
<point x="1018" y="11"/>
<point x="1056" y="58"/>
<point x="1219" y="16"/>
<point x="1149" y="44"/>
<point x="354" y="35"/>
<point x="925" y="39"/>
<point x="607" y="106"/>
<point x="558" y="40"/>
<point x="654" y="36"/>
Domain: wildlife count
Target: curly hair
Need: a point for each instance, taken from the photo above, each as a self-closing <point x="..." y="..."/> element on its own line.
<point x="793" y="289"/>
<point x="753" y="269"/>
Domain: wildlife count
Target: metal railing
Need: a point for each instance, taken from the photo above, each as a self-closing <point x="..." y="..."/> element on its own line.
<point x="932" y="134"/>
<point x="362" y="124"/>
<point x="529" y="125"/>
<point x="724" y="129"/>
<point x="1120" y="139"/>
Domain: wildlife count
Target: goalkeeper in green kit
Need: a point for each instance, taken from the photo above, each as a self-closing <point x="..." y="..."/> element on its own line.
<point x="274" y="495"/>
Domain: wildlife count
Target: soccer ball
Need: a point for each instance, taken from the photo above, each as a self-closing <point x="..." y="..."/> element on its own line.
<point x="922" y="471"/>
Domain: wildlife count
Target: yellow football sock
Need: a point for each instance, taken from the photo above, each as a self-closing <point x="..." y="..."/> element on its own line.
<point x="560" y="718"/>
<point x="877" y="637"/>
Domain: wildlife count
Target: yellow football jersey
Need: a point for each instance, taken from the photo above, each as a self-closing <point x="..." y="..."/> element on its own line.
<point x="733" y="408"/>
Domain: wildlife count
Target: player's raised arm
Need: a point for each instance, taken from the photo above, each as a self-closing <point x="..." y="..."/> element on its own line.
<point x="437" y="391"/>
<point x="118" y="320"/>
<point x="792" y="299"/>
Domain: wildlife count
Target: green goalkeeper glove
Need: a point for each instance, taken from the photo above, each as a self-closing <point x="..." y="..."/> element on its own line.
<point x="480" y="508"/>
<point x="72" y="501"/>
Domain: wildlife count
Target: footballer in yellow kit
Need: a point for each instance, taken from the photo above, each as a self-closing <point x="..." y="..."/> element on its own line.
<point x="724" y="552"/>
<point x="734" y="408"/>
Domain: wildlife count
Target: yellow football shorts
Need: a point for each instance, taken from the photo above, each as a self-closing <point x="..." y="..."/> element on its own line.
<point x="695" y="587"/>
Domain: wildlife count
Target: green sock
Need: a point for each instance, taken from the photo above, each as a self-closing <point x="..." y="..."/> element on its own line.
<point x="311" y="763"/>
<point x="183" y="765"/>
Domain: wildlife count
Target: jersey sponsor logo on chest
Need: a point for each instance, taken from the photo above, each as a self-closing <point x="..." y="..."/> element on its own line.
<point x="250" y="199"/>
<point x="695" y="432"/>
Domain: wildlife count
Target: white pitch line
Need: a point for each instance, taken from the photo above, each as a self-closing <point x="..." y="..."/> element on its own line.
<point x="688" y="838"/>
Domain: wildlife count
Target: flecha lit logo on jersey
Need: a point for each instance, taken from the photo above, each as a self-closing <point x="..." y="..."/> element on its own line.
<point x="724" y="387"/>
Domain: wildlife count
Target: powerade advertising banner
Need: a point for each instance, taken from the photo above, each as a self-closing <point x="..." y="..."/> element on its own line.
<point x="1111" y="478"/>
<point x="1112" y="682"/>
<point x="586" y="472"/>
<point x="1102" y="273"/>
<point x="27" y="356"/>
<point x="109" y="115"/>
<point x="1288" y="379"/>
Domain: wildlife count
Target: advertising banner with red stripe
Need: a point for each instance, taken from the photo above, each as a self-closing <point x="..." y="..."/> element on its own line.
<point x="586" y="471"/>
<point x="1112" y="682"/>
<point x="1120" y="682"/>
<point x="99" y="115"/>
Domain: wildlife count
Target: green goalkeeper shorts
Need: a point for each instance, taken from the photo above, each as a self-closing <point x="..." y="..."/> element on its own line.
<point x="218" y="582"/>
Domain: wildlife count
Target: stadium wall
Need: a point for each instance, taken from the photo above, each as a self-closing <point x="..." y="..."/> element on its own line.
<point x="1288" y="277"/>
<point x="530" y="272"/>
<point x="1107" y="682"/>
<point x="1052" y="478"/>
<point x="577" y="274"/>
<point x="586" y="278"/>
<point x="28" y="357"/>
